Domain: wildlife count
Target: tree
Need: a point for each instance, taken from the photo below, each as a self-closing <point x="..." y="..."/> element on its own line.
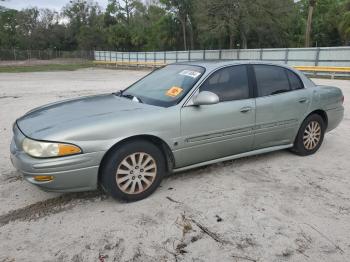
<point x="162" y="31"/>
<point x="126" y="24"/>
<point x="85" y="28"/>
<point x="231" y="23"/>
<point x="270" y="24"/>
<point x="28" y="21"/>
<point x="344" y="24"/>
<point x="182" y="9"/>
<point x="8" y="25"/>
<point x="219" y="19"/>
<point x="131" y="25"/>
<point x="324" y="30"/>
<point x="123" y="9"/>
<point x="312" y="4"/>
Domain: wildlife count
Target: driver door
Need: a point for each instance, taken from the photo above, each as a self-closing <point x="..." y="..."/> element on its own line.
<point x="210" y="132"/>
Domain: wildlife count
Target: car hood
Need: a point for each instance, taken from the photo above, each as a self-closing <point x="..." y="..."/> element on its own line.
<point x="42" y="122"/>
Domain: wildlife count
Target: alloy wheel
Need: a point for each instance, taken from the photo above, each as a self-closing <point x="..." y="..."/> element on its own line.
<point x="136" y="173"/>
<point x="312" y="135"/>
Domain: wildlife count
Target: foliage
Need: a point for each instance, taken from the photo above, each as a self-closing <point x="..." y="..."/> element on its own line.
<point x="344" y="24"/>
<point x="176" y="25"/>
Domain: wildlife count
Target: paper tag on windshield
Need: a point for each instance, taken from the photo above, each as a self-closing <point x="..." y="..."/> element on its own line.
<point x="174" y="91"/>
<point x="190" y="73"/>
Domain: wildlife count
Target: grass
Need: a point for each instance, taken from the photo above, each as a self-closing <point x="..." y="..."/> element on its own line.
<point x="44" y="68"/>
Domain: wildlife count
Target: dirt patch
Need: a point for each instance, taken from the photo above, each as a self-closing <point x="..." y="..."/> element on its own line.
<point x="50" y="206"/>
<point x="3" y="97"/>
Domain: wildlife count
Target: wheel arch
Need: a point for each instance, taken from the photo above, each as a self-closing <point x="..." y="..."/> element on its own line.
<point x="160" y="143"/>
<point x="322" y="114"/>
<point x="319" y="112"/>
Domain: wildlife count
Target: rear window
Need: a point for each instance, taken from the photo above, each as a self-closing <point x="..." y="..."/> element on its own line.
<point x="294" y="80"/>
<point x="271" y="80"/>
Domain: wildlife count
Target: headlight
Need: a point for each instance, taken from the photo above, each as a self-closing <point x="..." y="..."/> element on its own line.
<point x="48" y="149"/>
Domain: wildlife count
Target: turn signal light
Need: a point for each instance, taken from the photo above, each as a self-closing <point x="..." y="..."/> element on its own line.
<point x="66" y="149"/>
<point x="43" y="178"/>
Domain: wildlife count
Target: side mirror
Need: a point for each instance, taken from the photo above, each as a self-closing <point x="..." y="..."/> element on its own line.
<point x="205" y="98"/>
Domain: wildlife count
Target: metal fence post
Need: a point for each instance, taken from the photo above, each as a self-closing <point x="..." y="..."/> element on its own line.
<point x="261" y="54"/>
<point x="164" y="57"/>
<point x="203" y="54"/>
<point x="189" y="54"/>
<point x="176" y="56"/>
<point x="286" y="56"/>
<point x="122" y="56"/>
<point x="110" y="56"/>
<point x="220" y="54"/>
<point x="317" y="58"/>
<point x="238" y="54"/>
<point x="129" y="57"/>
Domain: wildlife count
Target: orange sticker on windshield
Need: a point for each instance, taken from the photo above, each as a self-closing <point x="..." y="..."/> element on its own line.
<point x="174" y="91"/>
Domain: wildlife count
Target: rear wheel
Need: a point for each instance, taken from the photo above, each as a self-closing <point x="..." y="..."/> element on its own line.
<point x="133" y="171"/>
<point x="310" y="136"/>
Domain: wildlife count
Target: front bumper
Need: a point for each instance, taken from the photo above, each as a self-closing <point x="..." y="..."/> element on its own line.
<point x="71" y="173"/>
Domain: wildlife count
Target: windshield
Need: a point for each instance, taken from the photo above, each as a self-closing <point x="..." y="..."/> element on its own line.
<point x="166" y="86"/>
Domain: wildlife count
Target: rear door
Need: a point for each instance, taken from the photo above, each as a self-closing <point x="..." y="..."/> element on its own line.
<point x="281" y="102"/>
<point x="214" y="131"/>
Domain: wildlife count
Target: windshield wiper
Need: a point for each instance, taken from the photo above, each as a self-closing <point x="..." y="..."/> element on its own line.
<point x="118" y="93"/>
<point x="131" y="97"/>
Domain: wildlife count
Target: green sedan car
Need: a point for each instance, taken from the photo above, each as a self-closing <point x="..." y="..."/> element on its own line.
<point x="179" y="117"/>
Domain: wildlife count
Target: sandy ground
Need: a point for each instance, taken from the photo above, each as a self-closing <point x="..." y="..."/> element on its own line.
<point x="272" y="207"/>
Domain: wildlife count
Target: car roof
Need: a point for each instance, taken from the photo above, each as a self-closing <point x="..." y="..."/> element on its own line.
<point x="210" y="65"/>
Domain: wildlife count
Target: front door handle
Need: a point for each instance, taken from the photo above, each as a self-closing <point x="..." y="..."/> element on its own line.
<point x="303" y="100"/>
<point x="245" y="109"/>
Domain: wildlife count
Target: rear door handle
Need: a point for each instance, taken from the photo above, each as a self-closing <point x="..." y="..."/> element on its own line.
<point x="245" y="109"/>
<point x="303" y="100"/>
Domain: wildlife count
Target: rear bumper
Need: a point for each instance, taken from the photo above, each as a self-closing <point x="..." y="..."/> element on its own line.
<point x="71" y="174"/>
<point x="335" y="116"/>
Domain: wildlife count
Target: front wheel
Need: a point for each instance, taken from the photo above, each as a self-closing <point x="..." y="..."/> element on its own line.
<point x="133" y="171"/>
<point x="310" y="136"/>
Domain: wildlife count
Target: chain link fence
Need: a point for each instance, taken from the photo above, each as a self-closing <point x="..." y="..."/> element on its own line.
<point x="23" y="55"/>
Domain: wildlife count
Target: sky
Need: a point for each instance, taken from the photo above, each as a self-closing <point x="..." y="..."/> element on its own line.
<point x="51" y="4"/>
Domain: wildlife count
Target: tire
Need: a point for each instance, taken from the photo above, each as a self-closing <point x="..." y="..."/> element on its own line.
<point x="306" y="144"/>
<point x="128" y="174"/>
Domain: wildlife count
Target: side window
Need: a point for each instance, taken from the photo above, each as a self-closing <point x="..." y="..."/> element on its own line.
<point x="229" y="84"/>
<point x="271" y="80"/>
<point x="294" y="80"/>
